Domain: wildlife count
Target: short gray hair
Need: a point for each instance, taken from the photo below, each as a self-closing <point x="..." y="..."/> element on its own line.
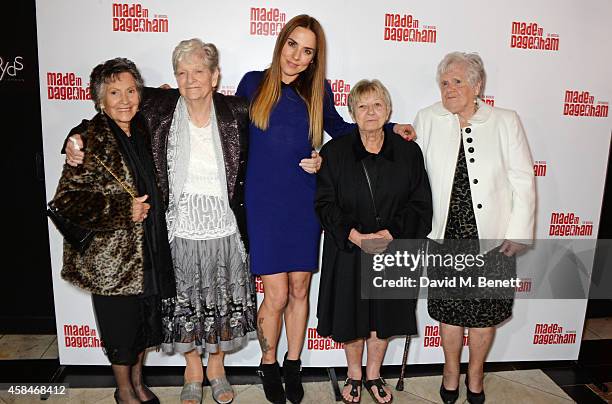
<point x="195" y="46"/>
<point x="474" y="68"/>
<point x="364" y="87"/>
<point x="107" y="72"/>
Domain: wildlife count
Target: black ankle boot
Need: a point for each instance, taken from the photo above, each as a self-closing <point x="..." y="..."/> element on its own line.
<point x="292" y="373"/>
<point x="474" y="398"/>
<point x="448" y="396"/>
<point x="272" y="384"/>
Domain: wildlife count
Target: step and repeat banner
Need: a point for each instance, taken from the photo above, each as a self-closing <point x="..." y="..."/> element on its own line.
<point x="544" y="59"/>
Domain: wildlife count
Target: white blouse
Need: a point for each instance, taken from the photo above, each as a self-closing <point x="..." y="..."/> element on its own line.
<point x="202" y="212"/>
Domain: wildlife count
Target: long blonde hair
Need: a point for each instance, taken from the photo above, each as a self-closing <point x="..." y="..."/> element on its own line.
<point x="310" y="84"/>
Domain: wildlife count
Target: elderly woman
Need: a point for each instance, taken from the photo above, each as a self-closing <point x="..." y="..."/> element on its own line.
<point x="482" y="179"/>
<point x="128" y="266"/>
<point x="199" y="142"/>
<point x="372" y="187"/>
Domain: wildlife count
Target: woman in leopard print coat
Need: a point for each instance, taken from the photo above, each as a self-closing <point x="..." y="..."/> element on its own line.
<point x="128" y="265"/>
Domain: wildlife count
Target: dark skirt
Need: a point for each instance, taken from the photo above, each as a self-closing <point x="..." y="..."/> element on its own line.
<point x="489" y="307"/>
<point x="474" y="307"/>
<point x="343" y="315"/>
<point x="128" y="325"/>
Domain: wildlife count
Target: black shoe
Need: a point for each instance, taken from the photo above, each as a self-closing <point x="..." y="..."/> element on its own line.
<point x="272" y="384"/>
<point x="153" y="400"/>
<point x="292" y="373"/>
<point x="474" y="398"/>
<point x="448" y="396"/>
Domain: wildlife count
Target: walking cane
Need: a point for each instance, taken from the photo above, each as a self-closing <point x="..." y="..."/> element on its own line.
<point x="400" y="381"/>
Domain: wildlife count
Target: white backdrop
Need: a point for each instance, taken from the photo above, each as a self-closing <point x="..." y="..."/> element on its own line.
<point x="571" y="151"/>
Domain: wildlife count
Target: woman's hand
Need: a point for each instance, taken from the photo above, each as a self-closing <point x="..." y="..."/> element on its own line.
<point x="140" y="209"/>
<point x="510" y="248"/>
<point x="74" y="155"/>
<point x="405" y="130"/>
<point x="313" y="164"/>
<point x="371" y="243"/>
<point x="385" y="234"/>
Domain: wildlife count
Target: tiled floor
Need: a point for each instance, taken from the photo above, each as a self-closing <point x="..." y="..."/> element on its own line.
<point x="598" y="328"/>
<point x="532" y="386"/>
<point x="28" y="347"/>
<point x="522" y="383"/>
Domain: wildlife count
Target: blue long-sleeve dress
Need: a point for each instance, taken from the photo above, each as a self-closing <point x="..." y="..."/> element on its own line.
<point x="283" y="229"/>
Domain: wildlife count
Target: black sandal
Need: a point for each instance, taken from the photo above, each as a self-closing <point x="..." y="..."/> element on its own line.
<point x="378" y="383"/>
<point x="355" y="390"/>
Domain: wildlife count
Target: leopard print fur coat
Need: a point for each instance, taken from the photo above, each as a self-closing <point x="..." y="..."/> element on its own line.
<point x="90" y="196"/>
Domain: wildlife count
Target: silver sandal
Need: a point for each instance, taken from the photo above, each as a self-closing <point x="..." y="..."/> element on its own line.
<point x="220" y="386"/>
<point x="192" y="391"/>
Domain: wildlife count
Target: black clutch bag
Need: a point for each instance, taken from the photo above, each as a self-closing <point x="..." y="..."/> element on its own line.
<point x="78" y="237"/>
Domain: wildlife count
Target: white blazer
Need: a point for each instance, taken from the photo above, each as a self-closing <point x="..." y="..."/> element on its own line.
<point x="499" y="165"/>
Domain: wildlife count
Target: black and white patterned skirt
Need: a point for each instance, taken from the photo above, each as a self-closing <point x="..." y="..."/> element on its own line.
<point x="216" y="307"/>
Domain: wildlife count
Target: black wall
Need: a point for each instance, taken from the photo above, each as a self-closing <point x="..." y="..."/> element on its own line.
<point x="26" y="297"/>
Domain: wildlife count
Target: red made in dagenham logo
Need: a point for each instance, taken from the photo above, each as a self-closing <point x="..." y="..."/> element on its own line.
<point x="524" y="285"/>
<point x="552" y="334"/>
<point x="489" y="100"/>
<point x="81" y="336"/>
<point x="136" y="18"/>
<point x="539" y="168"/>
<point x="341" y="90"/>
<point x="266" y="21"/>
<point x="66" y="86"/>
<point x="529" y="35"/>
<point x="315" y="342"/>
<point x="407" y="28"/>
<point x="568" y="224"/>
<point x="259" y="287"/>
<point x="582" y="103"/>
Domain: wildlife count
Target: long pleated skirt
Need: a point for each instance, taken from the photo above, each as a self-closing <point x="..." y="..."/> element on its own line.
<point x="216" y="306"/>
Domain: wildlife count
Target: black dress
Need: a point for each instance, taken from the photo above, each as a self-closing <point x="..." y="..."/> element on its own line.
<point x="130" y="324"/>
<point x="343" y="202"/>
<point x="483" y="311"/>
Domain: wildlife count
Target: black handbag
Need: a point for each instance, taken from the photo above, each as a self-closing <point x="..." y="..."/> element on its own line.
<point x="78" y="237"/>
